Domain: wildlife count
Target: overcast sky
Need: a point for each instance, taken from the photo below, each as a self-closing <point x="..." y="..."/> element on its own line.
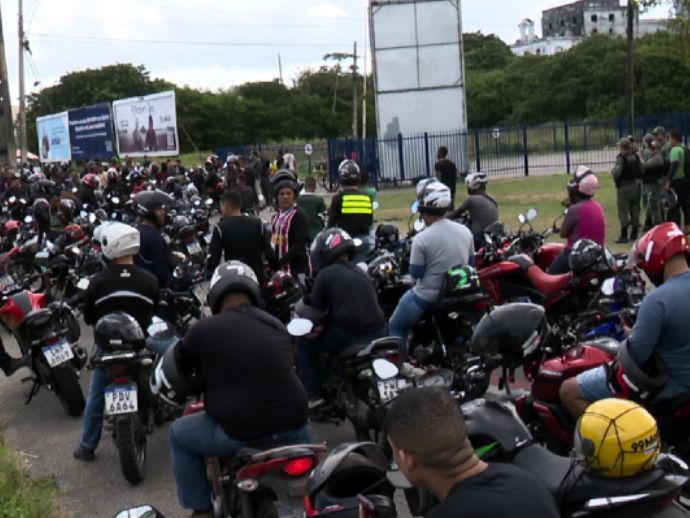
<point x="220" y="43"/>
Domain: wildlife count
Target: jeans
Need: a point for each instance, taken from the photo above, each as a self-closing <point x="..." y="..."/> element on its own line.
<point x="561" y="264"/>
<point x="410" y="309"/>
<point x="197" y="436"/>
<point x="330" y="340"/>
<point x="95" y="399"/>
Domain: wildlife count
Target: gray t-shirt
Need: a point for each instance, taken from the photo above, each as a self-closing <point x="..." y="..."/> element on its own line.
<point x="483" y="212"/>
<point x="437" y="249"/>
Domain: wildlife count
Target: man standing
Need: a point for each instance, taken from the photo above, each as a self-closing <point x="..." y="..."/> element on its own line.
<point x="447" y="172"/>
<point x="678" y="180"/>
<point x="627" y="174"/>
<point x="665" y="145"/>
<point x="313" y="205"/>
<point x="653" y="184"/>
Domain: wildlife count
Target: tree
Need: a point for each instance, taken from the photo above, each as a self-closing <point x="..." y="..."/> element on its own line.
<point x="485" y="52"/>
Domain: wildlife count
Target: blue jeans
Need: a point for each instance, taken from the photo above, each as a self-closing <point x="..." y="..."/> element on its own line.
<point x="410" y="309"/>
<point x="197" y="436"/>
<point x="561" y="264"/>
<point x="330" y="340"/>
<point x="95" y="399"/>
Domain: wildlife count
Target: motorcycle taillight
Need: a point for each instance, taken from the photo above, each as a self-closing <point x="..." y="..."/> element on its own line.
<point x="119" y="373"/>
<point x="259" y="469"/>
<point x="393" y="357"/>
<point x="298" y="466"/>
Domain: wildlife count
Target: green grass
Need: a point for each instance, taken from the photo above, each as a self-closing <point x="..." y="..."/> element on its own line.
<point x="515" y="196"/>
<point x="22" y="496"/>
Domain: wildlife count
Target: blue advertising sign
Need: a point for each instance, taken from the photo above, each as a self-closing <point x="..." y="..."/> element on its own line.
<point x="91" y="132"/>
<point x="53" y="138"/>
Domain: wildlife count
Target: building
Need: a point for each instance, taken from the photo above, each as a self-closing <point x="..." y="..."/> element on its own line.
<point x="567" y="25"/>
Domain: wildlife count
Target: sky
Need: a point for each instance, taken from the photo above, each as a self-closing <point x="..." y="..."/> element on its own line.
<point x="212" y="44"/>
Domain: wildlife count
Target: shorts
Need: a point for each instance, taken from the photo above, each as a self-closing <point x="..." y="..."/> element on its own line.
<point x="593" y="384"/>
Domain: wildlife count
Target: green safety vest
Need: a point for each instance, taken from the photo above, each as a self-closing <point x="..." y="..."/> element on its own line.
<point x="357" y="204"/>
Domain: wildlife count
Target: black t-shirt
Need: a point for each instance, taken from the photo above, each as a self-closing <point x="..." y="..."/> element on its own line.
<point x="245" y="357"/>
<point x="154" y="254"/>
<point x="501" y="490"/>
<point x="448" y="171"/>
<point x="347" y="294"/>
<point x="125" y="288"/>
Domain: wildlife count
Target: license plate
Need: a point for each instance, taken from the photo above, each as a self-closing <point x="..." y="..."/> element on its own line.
<point x="120" y="399"/>
<point x="193" y="248"/>
<point x="390" y="389"/>
<point x="58" y="353"/>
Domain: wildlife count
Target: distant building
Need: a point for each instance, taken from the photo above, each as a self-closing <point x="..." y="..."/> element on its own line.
<point x="565" y="26"/>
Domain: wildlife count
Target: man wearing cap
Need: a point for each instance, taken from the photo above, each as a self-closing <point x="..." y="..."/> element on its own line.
<point x="627" y="174"/>
<point x="653" y="184"/>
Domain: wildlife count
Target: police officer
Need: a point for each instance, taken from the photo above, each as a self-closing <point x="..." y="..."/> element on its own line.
<point x="627" y="174"/>
<point x="352" y="209"/>
<point x="655" y="169"/>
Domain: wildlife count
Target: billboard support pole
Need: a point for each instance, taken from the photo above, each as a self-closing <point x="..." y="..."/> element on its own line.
<point x="189" y="137"/>
<point x="22" y="97"/>
<point x="6" y="123"/>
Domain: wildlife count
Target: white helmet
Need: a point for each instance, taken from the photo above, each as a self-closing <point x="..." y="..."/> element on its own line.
<point x="476" y="180"/>
<point x="434" y="197"/>
<point x="191" y="190"/>
<point x="119" y="240"/>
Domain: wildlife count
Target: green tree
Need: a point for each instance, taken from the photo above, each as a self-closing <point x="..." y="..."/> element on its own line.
<point x="484" y="52"/>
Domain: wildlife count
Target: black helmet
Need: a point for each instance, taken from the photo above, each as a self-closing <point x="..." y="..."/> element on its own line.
<point x="349" y="172"/>
<point x="351" y="469"/>
<point x="584" y="255"/>
<point x="511" y="330"/>
<point x="118" y="331"/>
<point x="172" y="384"/>
<point x="179" y="222"/>
<point x="43" y="188"/>
<point x="460" y="280"/>
<point x="628" y="380"/>
<point x="282" y="179"/>
<point x="668" y="199"/>
<point x="232" y="276"/>
<point x="41" y="211"/>
<point x="387" y="234"/>
<point x="147" y="201"/>
<point x="330" y="244"/>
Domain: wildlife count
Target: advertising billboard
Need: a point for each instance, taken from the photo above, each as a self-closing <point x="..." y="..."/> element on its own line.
<point x="91" y="132"/>
<point x="147" y="126"/>
<point x="53" y="138"/>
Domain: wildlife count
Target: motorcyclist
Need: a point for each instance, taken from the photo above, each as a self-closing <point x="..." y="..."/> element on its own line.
<point x="122" y="286"/>
<point x="290" y="226"/>
<point x="441" y="246"/>
<point x="345" y="294"/>
<point x="87" y="191"/>
<point x="352" y="208"/>
<point x="480" y="206"/>
<point x="252" y="394"/>
<point x="154" y="254"/>
<point x="428" y="438"/>
<point x="661" y="325"/>
<point x="585" y="218"/>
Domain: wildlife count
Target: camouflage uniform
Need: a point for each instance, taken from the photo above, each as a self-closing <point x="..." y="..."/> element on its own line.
<point x="627" y="174"/>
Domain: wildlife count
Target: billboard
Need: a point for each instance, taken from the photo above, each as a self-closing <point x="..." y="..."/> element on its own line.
<point x="419" y="72"/>
<point x="53" y="138"/>
<point x="91" y="132"/>
<point x="146" y="126"/>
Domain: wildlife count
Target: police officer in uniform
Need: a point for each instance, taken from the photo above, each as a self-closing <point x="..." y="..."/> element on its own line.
<point x="655" y="169"/>
<point x="627" y="174"/>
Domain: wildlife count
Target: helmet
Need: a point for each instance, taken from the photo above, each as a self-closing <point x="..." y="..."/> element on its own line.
<point x="349" y="172"/>
<point x="118" y="331"/>
<point x="350" y="470"/>
<point x="113" y="175"/>
<point x="119" y="240"/>
<point x="656" y="247"/>
<point x="460" y="280"/>
<point x="43" y="188"/>
<point x="74" y="233"/>
<point x="628" y="380"/>
<point x="617" y="438"/>
<point x="668" y="199"/>
<point x="171" y="383"/>
<point x="475" y="181"/>
<point x="434" y="197"/>
<point x="134" y="176"/>
<point x="232" y="276"/>
<point x="179" y="222"/>
<point x="330" y="244"/>
<point x="387" y="234"/>
<point x="282" y="179"/>
<point x="585" y="182"/>
<point x="282" y="287"/>
<point x="67" y="207"/>
<point x="41" y="210"/>
<point x="90" y="180"/>
<point x="148" y="201"/>
<point x="511" y="330"/>
<point x="584" y="255"/>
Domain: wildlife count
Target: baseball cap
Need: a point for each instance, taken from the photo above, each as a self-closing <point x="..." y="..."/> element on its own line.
<point x="658" y="129"/>
<point x="625" y="142"/>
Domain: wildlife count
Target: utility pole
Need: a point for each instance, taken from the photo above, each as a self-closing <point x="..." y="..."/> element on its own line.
<point x="354" y="91"/>
<point x="280" y="69"/>
<point x="631" y="66"/>
<point x="22" y="95"/>
<point x="7" y="145"/>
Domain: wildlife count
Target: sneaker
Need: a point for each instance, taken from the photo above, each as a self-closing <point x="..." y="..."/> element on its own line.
<point x="14" y="364"/>
<point x="85" y="454"/>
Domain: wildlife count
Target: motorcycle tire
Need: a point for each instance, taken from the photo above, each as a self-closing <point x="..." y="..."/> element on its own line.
<point x="68" y="390"/>
<point x="130" y="439"/>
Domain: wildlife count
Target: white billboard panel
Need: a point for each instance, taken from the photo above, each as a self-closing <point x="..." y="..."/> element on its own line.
<point x="147" y="126"/>
<point x="53" y="138"/>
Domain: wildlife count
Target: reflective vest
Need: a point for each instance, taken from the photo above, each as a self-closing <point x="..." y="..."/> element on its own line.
<point x="356" y="203"/>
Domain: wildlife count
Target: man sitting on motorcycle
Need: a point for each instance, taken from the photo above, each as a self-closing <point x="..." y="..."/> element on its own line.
<point x="480" y="207"/>
<point x="346" y="296"/>
<point x="122" y="286"/>
<point x="252" y="394"/>
<point x="661" y="328"/>
<point x="428" y="437"/>
<point x="441" y="246"/>
<point x="585" y="218"/>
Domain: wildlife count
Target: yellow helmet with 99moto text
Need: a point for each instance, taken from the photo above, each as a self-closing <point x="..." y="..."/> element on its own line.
<point x="617" y="438"/>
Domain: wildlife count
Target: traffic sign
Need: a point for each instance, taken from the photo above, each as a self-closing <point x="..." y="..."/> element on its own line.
<point x="496" y="133"/>
<point x="308" y="149"/>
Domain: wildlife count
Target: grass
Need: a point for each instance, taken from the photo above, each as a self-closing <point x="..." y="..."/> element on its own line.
<point x="515" y="196"/>
<point x="22" y="496"/>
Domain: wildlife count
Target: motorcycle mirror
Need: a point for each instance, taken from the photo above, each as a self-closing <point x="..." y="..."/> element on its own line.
<point x="418" y="225"/>
<point x="92" y="218"/>
<point x="83" y="284"/>
<point x="300" y="327"/>
<point x="142" y="511"/>
<point x="608" y="288"/>
<point x="522" y="219"/>
<point x="28" y="219"/>
<point x="396" y="477"/>
<point x="414" y="208"/>
<point x="384" y="369"/>
<point x="12" y="199"/>
<point x="532" y="214"/>
<point x="488" y="239"/>
<point x="375" y="205"/>
<point x="115" y="200"/>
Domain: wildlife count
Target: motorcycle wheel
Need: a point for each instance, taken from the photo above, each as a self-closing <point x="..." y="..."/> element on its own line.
<point x="130" y="438"/>
<point x="68" y="390"/>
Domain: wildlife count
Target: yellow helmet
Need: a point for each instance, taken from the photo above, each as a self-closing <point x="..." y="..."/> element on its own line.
<point x="617" y="438"/>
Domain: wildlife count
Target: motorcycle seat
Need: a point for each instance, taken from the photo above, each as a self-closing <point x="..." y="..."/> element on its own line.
<point x="351" y="350"/>
<point x="545" y="283"/>
<point x="362" y="350"/>
<point x="38" y="317"/>
<point x="568" y="482"/>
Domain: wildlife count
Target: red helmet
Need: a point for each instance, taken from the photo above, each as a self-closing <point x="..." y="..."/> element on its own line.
<point x="90" y="180"/>
<point x="657" y="246"/>
<point x="74" y="232"/>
